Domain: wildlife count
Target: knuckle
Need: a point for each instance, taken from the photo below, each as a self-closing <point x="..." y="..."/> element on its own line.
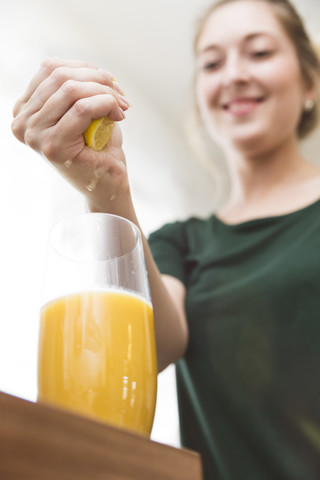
<point x="49" y="148"/>
<point x="30" y="139"/>
<point x="17" y="107"/>
<point x="17" y="128"/>
<point x="69" y="87"/>
<point x="50" y="64"/>
<point x="114" y="106"/>
<point x="58" y="75"/>
<point x="80" y="106"/>
<point x="113" y="101"/>
<point x="33" y="122"/>
<point x="108" y="78"/>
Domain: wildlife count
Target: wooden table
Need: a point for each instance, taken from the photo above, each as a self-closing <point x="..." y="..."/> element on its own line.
<point x="42" y="443"/>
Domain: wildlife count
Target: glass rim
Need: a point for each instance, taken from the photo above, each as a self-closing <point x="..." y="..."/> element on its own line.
<point x="67" y="219"/>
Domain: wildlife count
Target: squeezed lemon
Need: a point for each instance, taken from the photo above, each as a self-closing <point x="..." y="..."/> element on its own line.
<point x="98" y="134"/>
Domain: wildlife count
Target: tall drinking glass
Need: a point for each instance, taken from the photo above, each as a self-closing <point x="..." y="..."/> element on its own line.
<point x="97" y="353"/>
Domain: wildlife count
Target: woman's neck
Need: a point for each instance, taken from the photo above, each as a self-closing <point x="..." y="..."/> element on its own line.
<point x="258" y="174"/>
<point x="269" y="183"/>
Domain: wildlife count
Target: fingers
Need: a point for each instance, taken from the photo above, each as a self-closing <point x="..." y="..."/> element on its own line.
<point x="58" y="142"/>
<point x="61" y="77"/>
<point x="61" y="85"/>
<point x="72" y="92"/>
<point x="79" y="116"/>
<point x="46" y="69"/>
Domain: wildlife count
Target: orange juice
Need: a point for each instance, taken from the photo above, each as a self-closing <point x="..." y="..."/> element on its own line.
<point x="97" y="356"/>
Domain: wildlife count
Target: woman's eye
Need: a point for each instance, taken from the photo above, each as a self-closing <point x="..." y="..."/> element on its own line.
<point x="209" y="66"/>
<point x="261" y="53"/>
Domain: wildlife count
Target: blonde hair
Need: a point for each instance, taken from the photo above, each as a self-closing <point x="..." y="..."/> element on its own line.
<point x="308" y="57"/>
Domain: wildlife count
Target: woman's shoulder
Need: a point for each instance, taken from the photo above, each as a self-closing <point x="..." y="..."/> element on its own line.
<point x="190" y="222"/>
<point x="183" y="230"/>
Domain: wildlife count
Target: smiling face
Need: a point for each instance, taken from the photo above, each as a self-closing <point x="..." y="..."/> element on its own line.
<point x="249" y="86"/>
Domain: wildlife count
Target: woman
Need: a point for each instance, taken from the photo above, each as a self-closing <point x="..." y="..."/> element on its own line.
<point x="237" y="303"/>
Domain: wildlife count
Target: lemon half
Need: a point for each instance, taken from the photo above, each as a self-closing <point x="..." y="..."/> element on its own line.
<point x="98" y="133"/>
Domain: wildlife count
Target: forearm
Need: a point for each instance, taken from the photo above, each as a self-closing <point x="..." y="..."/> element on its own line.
<point x="170" y="323"/>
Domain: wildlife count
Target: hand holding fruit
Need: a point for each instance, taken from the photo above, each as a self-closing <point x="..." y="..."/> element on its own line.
<point x="61" y="103"/>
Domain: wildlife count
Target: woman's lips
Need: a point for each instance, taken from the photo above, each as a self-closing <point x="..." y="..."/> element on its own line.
<point x="242" y="106"/>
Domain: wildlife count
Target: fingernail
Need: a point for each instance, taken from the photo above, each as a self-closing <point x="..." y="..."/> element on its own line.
<point x="124" y="100"/>
<point x="117" y="87"/>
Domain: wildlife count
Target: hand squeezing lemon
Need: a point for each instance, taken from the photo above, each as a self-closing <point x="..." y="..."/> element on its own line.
<point x="98" y="134"/>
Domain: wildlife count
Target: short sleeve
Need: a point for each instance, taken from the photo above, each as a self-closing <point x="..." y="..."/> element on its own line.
<point x="168" y="247"/>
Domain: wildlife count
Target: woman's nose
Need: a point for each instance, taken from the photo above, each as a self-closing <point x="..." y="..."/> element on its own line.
<point x="235" y="71"/>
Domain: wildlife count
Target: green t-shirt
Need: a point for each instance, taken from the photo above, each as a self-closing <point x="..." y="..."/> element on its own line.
<point x="249" y="384"/>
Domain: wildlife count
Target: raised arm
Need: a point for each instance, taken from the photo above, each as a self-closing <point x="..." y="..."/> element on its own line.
<point x="57" y="107"/>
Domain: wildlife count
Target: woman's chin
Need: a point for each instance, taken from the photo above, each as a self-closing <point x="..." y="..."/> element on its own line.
<point x="251" y="141"/>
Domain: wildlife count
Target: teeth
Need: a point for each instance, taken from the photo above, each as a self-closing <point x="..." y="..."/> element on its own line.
<point x="240" y="106"/>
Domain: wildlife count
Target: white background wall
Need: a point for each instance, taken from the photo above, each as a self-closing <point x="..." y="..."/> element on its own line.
<point x="147" y="45"/>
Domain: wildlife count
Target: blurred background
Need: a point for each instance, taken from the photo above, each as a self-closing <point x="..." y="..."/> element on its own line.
<point x="174" y="171"/>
